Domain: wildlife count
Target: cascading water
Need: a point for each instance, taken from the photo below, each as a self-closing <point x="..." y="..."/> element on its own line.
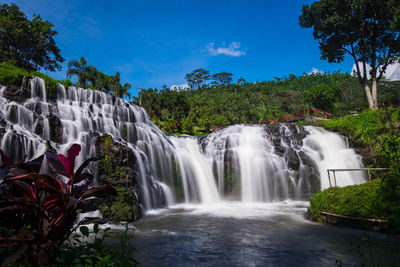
<point x="259" y="163"/>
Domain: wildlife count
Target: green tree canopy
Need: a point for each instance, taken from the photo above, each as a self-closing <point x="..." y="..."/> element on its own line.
<point x="320" y="96"/>
<point x="197" y="78"/>
<point x="28" y="44"/>
<point x="365" y="29"/>
<point x="222" y="78"/>
<point x="83" y="71"/>
<point x="88" y="74"/>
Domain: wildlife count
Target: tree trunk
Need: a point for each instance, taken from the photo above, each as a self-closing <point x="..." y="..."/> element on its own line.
<point x="371" y="101"/>
<point x="375" y="92"/>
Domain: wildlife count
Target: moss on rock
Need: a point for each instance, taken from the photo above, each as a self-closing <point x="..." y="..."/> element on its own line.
<point x="124" y="208"/>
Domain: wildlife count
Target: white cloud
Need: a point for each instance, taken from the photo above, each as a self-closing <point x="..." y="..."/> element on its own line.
<point x="392" y="71"/>
<point x="233" y="50"/>
<point x="179" y="87"/>
<point x="315" y="71"/>
<point x="360" y="65"/>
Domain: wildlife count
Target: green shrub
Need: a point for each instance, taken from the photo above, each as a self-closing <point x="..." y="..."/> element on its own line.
<point x="359" y="201"/>
<point x="102" y="251"/>
<point x="377" y="199"/>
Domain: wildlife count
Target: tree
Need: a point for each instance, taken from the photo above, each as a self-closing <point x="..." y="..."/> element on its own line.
<point x="84" y="72"/>
<point x="241" y="81"/>
<point x="197" y="78"/>
<point x="222" y="78"/>
<point x="28" y="44"/>
<point x="118" y="89"/>
<point x="365" y="29"/>
<point x="320" y="96"/>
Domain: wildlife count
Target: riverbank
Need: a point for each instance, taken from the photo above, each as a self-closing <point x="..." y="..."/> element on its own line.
<point x="376" y="136"/>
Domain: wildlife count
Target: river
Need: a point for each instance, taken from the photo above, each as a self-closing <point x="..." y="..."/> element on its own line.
<point x="254" y="234"/>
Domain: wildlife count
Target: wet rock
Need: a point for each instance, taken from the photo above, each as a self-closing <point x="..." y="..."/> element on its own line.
<point x="125" y="207"/>
<point x="16" y="93"/>
<point x="292" y="159"/>
<point x="56" y="129"/>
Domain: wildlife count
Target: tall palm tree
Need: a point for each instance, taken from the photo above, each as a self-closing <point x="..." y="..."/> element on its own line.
<point x="84" y="71"/>
<point x="118" y="89"/>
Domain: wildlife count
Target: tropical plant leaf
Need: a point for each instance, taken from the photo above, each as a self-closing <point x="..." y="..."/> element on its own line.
<point x="82" y="177"/>
<point x="72" y="153"/>
<point x="91" y="220"/>
<point x="82" y="167"/>
<point x="48" y="181"/>
<point x="84" y="230"/>
<point x="99" y="191"/>
<point x="14" y="172"/>
<point x="26" y="188"/>
<point x="33" y="165"/>
<point x="55" y="163"/>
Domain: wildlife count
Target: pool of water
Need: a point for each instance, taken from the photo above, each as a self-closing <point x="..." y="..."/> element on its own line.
<point x="254" y="234"/>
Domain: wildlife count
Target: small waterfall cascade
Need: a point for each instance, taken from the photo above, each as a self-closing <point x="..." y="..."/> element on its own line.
<point x="331" y="151"/>
<point x="249" y="163"/>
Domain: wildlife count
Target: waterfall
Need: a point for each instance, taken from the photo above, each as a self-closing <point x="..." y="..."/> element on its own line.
<point x="248" y="163"/>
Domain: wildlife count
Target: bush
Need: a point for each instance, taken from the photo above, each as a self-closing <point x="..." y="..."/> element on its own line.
<point x="38" y="211"/>
<point x="80" y="251"/>
<point x="359" y="201"/>
<point x="377" y="199"/>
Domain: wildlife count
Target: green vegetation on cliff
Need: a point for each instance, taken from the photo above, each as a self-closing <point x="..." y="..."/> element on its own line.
<point x="380" y="198"/>
<point x="377" y="129"/>
<point x="11" y="75"/>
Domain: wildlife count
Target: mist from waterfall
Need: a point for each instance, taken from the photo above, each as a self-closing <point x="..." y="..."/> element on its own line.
<point x="247" y="163"/>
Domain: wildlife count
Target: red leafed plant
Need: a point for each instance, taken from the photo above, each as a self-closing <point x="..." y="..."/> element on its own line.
<point x="38" y="211"/>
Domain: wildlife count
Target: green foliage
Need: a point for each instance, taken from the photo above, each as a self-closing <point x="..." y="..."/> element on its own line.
<point x="96" y="249"/>
<point x="361" y="201"/>
<point x="222" y="78"/>
<point x="379" y="129"/>
<point x="38" y="211"/>
<point x="197" y="78"/>
<point x="121" y="208"/>
<point x="28" y="44"/>
<point x="81" y="69"/>
<point x="377" y="199"/>
<point x="12" y="75"/>
<point x="366" y="30"/>
<point x="320" y="96"/>
<point x="89" y="76"/>
<point x="214" y="105"/>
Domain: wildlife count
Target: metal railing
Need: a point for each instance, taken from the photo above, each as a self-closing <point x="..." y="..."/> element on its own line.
<point x="351" y="170"/>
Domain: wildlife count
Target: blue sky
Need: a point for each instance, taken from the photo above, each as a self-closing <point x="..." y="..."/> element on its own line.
<point x="158" y="42"/>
